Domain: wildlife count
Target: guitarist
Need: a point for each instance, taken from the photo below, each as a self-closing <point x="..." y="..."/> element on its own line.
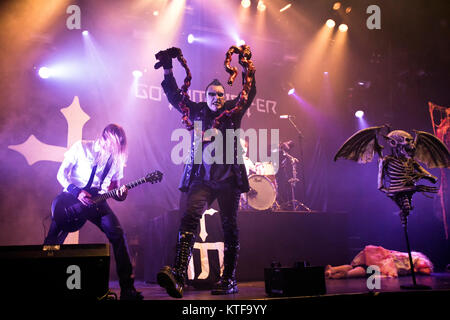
<point x="90" y="166"/>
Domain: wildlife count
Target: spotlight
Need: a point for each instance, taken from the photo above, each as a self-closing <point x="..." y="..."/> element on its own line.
<point x="85" y="33"/>
<point x="156" y="13"/>
<point x="330" y="23"/>
<point x="325" y="73"/>
<point x="191" y="38"/>
<point x="246" y="3"/>
<point x="286" y="7"/>
<point x="291" y="92"/>
<point x="348" y="10"/>
<point x="240" y="42"/>
<point x="137" y="73"/>
<point x="261" y="6"/>
<point x="343" y="27"/>
<point x="364" y="84"/>
<point x="359" y="114"/>
<point x="336" y="6"/>
<point x="45" y="72"/>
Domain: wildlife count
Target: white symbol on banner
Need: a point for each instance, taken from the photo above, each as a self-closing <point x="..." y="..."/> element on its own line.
<point x="34" y="150"/>
<point x="203" y="233"/>
<point x="204" y="247"/>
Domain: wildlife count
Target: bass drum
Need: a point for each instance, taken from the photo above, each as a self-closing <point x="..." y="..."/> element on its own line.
<point x="262" y="194"/>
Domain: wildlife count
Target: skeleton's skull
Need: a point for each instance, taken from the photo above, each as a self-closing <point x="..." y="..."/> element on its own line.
<point x="402" y="143"/>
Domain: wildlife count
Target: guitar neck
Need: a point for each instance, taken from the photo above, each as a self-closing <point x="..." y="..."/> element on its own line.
<point x="111" y="193"/>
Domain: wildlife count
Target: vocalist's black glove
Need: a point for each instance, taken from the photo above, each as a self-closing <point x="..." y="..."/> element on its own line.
<point x="165" y="58"/>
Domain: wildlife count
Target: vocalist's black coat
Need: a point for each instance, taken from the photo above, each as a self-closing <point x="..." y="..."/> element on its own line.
<point x="201" y="112"/>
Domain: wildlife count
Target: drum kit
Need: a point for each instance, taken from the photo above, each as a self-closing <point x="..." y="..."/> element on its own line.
<point x="263" y="192"/>
<point x="263" y="188"/>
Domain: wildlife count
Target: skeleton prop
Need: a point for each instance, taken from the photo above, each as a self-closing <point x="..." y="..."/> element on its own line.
<point x="400" y="171"/>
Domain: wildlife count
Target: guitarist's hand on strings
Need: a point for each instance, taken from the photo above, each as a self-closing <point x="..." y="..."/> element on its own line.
<point x="85" y="198"/>
<point x="121" y="193"/>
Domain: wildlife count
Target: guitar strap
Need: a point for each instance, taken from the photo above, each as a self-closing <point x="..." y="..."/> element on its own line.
<point x="106" y="170"/>
<point x="91" y="178"/>
<point x="105" y="173"/>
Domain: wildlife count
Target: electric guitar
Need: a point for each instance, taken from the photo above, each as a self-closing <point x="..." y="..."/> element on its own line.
<point x="70" y="214"/>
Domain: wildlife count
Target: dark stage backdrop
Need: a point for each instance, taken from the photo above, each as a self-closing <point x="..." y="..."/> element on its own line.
<point x="98" y="85"/>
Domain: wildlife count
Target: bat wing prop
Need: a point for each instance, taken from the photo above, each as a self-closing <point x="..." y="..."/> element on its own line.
<point x="361" y="146"/>
<point x="431" y="151"/>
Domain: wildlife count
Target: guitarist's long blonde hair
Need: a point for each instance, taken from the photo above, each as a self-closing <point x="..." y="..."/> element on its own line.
<point x="113" y="141"/>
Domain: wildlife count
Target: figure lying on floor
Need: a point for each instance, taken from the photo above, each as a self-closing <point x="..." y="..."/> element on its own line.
<point x="391" y="263"/>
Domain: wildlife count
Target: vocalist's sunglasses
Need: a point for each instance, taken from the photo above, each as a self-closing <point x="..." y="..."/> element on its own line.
<point x="213" y="94"/>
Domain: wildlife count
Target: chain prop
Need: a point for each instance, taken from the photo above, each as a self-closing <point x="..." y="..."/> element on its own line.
<point x="185" y="97"/>
<point x="166" y="56"/>
<point x="249" y="71"/>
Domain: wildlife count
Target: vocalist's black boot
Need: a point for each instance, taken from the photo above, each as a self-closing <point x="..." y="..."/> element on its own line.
<point x="227" y="283"/>
<point x="172" y="278"/>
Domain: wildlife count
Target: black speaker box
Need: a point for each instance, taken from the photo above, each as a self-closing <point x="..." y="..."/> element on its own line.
<point x="36" y="272"/>
<point x="300" y="280"/>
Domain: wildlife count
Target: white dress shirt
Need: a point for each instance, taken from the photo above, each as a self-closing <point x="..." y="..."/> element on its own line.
<point x="77" y="165"/>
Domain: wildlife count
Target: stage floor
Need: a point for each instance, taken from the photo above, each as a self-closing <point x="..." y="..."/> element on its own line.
<point x="439" y="283"/>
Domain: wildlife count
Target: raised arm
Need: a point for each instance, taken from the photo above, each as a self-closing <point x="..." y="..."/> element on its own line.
<point x="251" y="96"/>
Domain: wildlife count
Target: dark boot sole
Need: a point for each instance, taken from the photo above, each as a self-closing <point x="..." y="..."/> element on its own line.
<point x="224" y="292"/>
<point x="166" y="280"/>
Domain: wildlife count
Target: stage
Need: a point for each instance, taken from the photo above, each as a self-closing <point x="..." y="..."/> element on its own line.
<point x="336" y="289"/>
<point x="349" y="297"/>
<point x="346" y="297"/>
<point x="324" y="134"/>
<point x="284" y="237"/>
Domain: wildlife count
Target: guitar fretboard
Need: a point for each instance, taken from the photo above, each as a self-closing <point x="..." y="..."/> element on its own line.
<point x="111" y="193"/>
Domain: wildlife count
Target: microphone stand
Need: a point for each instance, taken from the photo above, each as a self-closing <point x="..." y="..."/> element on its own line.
<point x="295" y="203"/>
<point x="294" y="161"/>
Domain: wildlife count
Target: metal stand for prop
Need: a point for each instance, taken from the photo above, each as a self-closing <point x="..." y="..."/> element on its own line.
<point x="413" y="286"/>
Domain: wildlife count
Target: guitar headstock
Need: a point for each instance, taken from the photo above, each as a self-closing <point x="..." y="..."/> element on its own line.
<point x="154" y="177"/>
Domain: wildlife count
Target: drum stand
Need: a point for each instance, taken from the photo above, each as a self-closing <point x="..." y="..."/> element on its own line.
<point x="294" y="203"/>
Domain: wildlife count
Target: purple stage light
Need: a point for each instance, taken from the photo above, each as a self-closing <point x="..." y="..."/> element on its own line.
<point x="359" y="114"/>
<point x="85" y="33"/>
<point x="190" y="38"/>
<point x="291" y="92"/>
<point x="44" y="72"/>
<point x="137" y="73"/>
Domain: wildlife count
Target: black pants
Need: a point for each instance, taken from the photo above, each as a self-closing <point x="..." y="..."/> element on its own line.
<point x="203" y="193"/>
<point x="105" y="219"/>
